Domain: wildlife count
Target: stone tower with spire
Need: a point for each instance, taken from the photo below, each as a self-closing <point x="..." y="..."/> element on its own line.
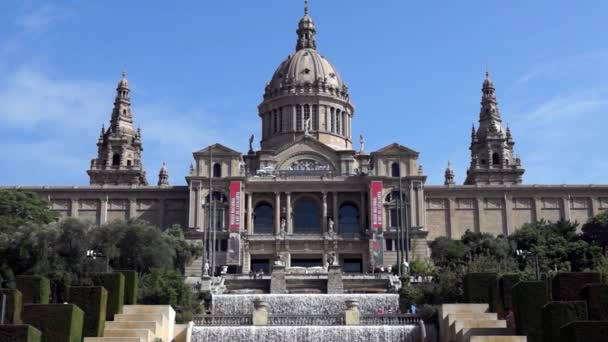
<point x="449" y="175"/>
<point x="492" y="157"/>
<point x="163" y="176"/>
<point x="119" y="148"/>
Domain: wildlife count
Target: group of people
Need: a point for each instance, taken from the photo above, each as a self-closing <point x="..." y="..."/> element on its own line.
<point x="390" y="310"/>
<point x="256" y="274"/>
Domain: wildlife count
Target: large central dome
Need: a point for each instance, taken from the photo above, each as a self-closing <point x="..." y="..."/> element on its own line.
<point x="306" y="96"/>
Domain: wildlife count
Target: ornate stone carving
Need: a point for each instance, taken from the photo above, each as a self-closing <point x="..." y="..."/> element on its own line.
<point x="308" y="165"/>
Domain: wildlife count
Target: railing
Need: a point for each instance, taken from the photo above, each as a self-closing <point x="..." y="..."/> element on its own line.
<point x="202" y="320"/>
<point x="389" y="319"/>
<point x="306" y="320"/>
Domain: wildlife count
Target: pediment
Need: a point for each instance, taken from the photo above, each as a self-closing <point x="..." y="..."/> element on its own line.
<point x="396" y="149"/>
<point x="217" y="149"/>
<point x="306" y="153"/>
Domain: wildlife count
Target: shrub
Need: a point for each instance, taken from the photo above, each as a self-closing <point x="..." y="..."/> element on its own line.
<point x="558" y="314"/>
<point x="528" y="299"/>
<point x="114" y="283"/>
<point x="93" y="301"/>
<point x="19" y="333"/>
<point x="34" y="288"/>
<point x="57" y="322"/>
<point x="14" y="303"/>
<point x="568" y="286"/>
<point x="131" y="286"/>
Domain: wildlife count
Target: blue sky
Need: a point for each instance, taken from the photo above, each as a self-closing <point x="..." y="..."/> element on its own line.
<point x="197" y="70"/>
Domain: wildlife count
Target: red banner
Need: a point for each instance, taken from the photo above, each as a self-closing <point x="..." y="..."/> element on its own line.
<point x="235" y="206"/>
<point x="376" y="204"/>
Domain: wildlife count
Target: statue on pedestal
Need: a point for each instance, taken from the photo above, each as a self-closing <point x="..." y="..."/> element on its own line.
<point x="283" y="228"/>
<point x="330" y="226"/>
<point x="405" y="268"/>
<point x="206" y="268"/>
<point x="278" y="261"/>
<point x="251" y="144"/>
<point x="332" y="260"/>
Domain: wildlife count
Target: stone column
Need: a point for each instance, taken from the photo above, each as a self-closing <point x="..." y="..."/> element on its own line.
<point x="161" y="212"/>
<point x="595" y="205"/>
<point x="508" y="211"/>
<point x="103" y="211"/>
<point x="260" y="312"/>
<point x="73" y="207"/>
<point x="334" y="279"/>
<point x="450" y="220"/>
<point x="566" y="208"/>
<point x="352" y="316"/>
<point x="288" y="212"/>
<point x="537" y="209"/>
<point x="249" y="213"/>
<point x="191" y="209"/>
<point x="335" y="212"/>
<point x="278" y="283"/>
<point x="362" y="212"/>
<point x="277" y="213"/>
<point x="324" y="209"/>
<point x="132" y="208"/>
<point x="479" y="210"/>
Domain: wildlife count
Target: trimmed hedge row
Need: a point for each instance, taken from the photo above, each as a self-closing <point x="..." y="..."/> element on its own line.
<point x="93" y="301"/>
<point x="34" y="289"/>
<point x="477" y="287"/>
<point x="131" y="284"/>
<point x="19" y="333"/>
<point x="507" y="282"/>
<point x="14" y="302"/>
<point x="557" y="314"/>
<point x="596" y="296"/>
<point x="567" y="286"/>
<point x="528" y="299"/>
<point x="585" y="331"/>
<point x="57" y="322"/>
<point x="114" y="283"/>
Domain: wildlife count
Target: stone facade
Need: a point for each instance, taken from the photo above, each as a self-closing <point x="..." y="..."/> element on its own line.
<point x="307" y="194"/>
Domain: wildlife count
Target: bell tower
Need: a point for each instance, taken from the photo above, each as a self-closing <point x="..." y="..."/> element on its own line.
<point x="119" y="148"/>
<point x="492" y="156"/>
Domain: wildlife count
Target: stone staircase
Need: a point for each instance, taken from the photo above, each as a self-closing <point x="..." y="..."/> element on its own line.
<point x="195" y="269"/>
<point x="144" y="323"/>
<point x="473" y="323"/>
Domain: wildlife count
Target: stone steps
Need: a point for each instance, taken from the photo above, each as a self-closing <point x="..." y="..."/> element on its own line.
<point x="195" y="269"/>
<point x="473" y="323"/>
<point x="144" y="334"/>
<point x="114" y="339"/>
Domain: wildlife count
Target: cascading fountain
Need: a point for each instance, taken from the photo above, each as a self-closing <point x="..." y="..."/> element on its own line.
<point x="302" y="304"/>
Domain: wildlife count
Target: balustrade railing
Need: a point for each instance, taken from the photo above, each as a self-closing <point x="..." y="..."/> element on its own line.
<point x="389" y="319"/>
<point x="202" y="320"/>
<point x="306" y="320"/>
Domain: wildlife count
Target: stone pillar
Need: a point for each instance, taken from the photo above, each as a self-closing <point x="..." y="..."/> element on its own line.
<point x="352" y="316"/>
<point x="249" y="213"/>
<point x="198" y="208"/>
<point x="362" y="212"/>
<point x="324" y="209"/>
<point x="594" y="206"/>
<point x="161" y="212"/>
<point x="191" y="209"/>
<point x="334" y="280"/>
<point x="537" y="209"/>
<point x="450" y="220"/>
<point x="288" y="212"/>
<point x="103" y="211"/>
<point x="277" y="213"/>
<point x="479" y="211"/>
<point x="260" y="313"/>
<point x="73" y="207"/>
<point x="566" y="208"/>
<point x="508" y="211"/>
<point x="335" y="212"/>
<point x="132" y="208"/>
<point x="277" y="279"/>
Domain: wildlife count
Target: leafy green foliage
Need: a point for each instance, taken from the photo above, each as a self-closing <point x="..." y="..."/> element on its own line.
<point x="596" y="231"/>
<point x="167" y="286"/>
<point x="18" y="208"/>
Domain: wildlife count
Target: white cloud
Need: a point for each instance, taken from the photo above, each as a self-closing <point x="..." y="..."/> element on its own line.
<point x="40" y="18"/>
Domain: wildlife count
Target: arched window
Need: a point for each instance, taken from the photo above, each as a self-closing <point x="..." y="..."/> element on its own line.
<point x="116" y="159"/>
<point x="315" y="118"/>
<point x="263" y="219"/>
<point x="395" y="172"/>
<point x="348" y="219"/>
<point x="298" y="118"/>
<point x="307" y="217"/>
<point x="495" y="158"/>
<point x="217" y="170"/>
<point x="128" y="162"/>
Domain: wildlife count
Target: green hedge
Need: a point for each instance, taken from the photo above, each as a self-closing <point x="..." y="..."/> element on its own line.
<point x="131" y="285"/>
<point x="585" y="331"/>
<point x="558" y="314"/>
<point x="507" y="282"/>
<point x="596" y="296"/>
<point x="57" y="322"/>
<point x="14" y="302"/>
<point x="34" y="289"/>
<point x="115" y="285"/>
<point x="528" y="299"/>
<point x="93" y="301"/>
<point x="477" y="287"/>
<point x="19" y="333"/>
<point x="568" y="286"/>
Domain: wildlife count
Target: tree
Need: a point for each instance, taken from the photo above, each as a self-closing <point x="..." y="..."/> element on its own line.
<point x="18" y="207"/>
<point x="596" y="231"/>
<point x="167" y="286"/>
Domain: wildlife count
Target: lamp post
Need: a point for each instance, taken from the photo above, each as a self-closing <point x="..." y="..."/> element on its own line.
<point x="525" y="254"/>
<point x="91" y="254"/>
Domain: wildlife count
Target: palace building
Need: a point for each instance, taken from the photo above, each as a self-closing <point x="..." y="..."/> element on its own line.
<point x="308" y="192"/>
